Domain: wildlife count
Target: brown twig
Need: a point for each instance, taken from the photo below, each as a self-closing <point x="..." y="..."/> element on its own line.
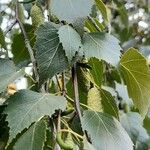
<point x="27" y="43"/>
<point x="76" y="92"/>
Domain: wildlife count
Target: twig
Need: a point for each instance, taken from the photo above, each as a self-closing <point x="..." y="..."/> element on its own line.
<point x="76" y="92"/>
<point x="63" y="84"/>
<point x="10" y="27"/>
<point x="27" y="43"/>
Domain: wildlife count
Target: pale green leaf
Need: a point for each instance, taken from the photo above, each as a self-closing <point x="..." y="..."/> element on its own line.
<point x="106" y="132"/>
<point x="133" y="124"/>
<point x="71" y="10"/>
<point x="101" y="6"/>
<point x="8" y="73"/>
<point x="50" y="55"/>
<point x="34" y="138"/>
<point x="26" y="106"/>
<point x="102" y="46"/>
<point x="136" y="75"/>
<point x="70" y="40"/>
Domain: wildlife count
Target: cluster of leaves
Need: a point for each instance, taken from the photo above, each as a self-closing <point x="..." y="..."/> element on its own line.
<point x="85" y="91"/>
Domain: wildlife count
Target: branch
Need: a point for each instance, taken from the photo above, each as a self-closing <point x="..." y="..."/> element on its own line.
<point x="76" y="92"/>
<point x="27" y="43"/>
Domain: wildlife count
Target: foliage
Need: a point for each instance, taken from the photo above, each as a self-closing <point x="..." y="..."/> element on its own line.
<point x="85" y="64"/>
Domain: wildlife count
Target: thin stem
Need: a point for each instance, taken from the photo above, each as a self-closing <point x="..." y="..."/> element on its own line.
<point x="59" y="86"/>
<point x="72" y="132"/>
<point x="63" y="84"/>
<point x="56" y="147"/>
<point x="27" y="43"/>
<point x="76" y="92"/>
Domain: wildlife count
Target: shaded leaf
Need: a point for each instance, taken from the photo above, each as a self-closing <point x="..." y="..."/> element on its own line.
<point x="8" y="73"/>
<point x="70" y="40"/>
<point x="71" y="10"/>
<point x="147" y="124"/>
<point x="136" y="75"/>
<point x="27" y="106"/>
<point x="19" y="50"/>
<point x="105" y="131"/>
<point x="34" y="138"/>
<point x="50" y="55"/>
<point x="102" y="46"/>
<point x="96" y="70"/>
<point x="2" y="39"/>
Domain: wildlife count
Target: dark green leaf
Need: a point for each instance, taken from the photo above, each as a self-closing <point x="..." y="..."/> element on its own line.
<point x="50" y="55"/>
<point x="27" y="106"/>
<point x="34" y="138"/>
<point x="96" y="70"/>
<point x="2" y="39"/>
<point x="19" y="50"/>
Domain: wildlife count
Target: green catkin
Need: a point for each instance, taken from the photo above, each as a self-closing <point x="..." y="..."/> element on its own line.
<point x="64" y="145"/>
<point x="36" y="16"/>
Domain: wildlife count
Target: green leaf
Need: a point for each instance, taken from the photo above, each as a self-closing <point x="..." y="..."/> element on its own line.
<point x="19" y="50"/>
<point x="133" y="124"/>
<point x="105" y="131"/>
<point x="97" y="70"/>
<point x="50" y="55"/>
<point x="2" y="39"/>
<point x="136" y="75"/>
<point x="102" y="101"/>
<point x="147" y="124"/>
<point x="101" y="6"/>
<point x="70" y="40"/>
<point x="8" y="73"/>
<point x="71" y="10"/>
<point x="34" y="138"/>
<point x="102" y="46"/>
<point x="27" y="106"/>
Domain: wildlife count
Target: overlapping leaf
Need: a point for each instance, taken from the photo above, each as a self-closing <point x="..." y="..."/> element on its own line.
<point x="70" y="40"/>
<point x="34" y="138"/>
<point x="106" y="132"/>
<point x="19" y="50"/>
<point x="102" y="46"/>
<point x="71" y="10"/>
<point x="50" y="55"/>
<point x="137" y="78"/>
<point x="102" y="8"/>
<point x="8" y="73"/>
<point x="27" y="106"/>
<point x="96" y="70"/>
<point x="102" y="101"/>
